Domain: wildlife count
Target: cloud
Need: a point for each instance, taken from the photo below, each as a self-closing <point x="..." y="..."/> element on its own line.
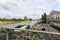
<point x="51" y="1"/>
<point x="3" y="1"/>
<point x="26" y="7"/>
<point x="29" y="8"/>
<point x="41" y="8"/>
<point x="5" y="13"/>
<point x="57" y="0"/>
<point x="10" y="6"/>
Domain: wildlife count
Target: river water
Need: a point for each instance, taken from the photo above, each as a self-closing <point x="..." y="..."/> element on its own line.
<point x="13" y="25"/>
<point x="31" y="23"/>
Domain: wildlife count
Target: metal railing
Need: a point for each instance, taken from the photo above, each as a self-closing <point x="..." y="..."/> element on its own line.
<point x="25" y="34"/>
<point x="3" y="36"/>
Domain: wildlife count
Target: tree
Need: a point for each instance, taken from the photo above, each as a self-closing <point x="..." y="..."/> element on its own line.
<point x="44" y="18"/>
<point x="14" y="19"/>
<point x="0" y="19"/>
<point x="4" y="19"/>
<point x="25" y="18"/>
<point x="30" y="19"/>
<point x="28" y="27"/>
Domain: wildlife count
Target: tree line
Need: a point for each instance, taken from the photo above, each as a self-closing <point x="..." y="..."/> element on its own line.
<point x="44" y="18"/>
<point x="15" y="19"/>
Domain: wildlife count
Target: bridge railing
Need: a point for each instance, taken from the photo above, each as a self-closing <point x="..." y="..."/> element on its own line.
<point x="25" y="34"/>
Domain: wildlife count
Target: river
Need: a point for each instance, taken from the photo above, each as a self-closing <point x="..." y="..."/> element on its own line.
<point x="31" y="23"/>
<point x="13" y="25"/>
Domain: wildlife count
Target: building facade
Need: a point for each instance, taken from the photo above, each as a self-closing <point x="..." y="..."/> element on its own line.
<point x="54" y="16"/>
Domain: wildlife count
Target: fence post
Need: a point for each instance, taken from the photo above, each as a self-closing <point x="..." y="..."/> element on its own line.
<point x="7" y="37"/>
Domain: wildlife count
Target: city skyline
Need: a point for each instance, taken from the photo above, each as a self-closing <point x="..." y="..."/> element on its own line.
<point x="29" y="8"/>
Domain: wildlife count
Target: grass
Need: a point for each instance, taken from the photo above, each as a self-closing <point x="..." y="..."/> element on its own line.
<point x="35" y="37"/>
<point x="22" y="22"/>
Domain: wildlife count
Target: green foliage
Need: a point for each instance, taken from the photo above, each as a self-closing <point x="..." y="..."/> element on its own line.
<point x="44" y="18"/>
<point x="28" y="27"/>
<point x="35" y="37"/>
<point x="11" y="19"/>
<point x="15" y="19"/>
<point x="30" y="19"/>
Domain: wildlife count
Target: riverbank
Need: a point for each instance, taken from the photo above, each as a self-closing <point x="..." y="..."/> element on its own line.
<point x="10" y="22"/>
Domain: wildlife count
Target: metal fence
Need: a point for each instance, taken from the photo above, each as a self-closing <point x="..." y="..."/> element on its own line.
<point x="3" y="35"/>
<point x="11" y="34"/>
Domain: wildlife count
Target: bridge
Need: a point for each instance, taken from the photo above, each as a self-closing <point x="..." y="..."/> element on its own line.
<point x="51" y="35"/>
<point x="33" y="31"/>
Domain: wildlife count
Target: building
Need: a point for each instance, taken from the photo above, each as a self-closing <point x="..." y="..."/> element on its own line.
<point x="54" y="16"/>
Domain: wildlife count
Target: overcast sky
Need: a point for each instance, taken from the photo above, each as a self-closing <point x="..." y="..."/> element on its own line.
<point x="29" y="8"/>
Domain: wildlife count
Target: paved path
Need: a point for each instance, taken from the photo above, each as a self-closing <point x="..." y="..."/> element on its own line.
<point x="51" y="29"/>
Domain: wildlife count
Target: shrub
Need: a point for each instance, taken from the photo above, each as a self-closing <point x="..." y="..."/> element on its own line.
<point x="28" y="27"/>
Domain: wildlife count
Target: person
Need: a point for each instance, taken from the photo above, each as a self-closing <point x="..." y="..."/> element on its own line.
<point x="43" y="29"/>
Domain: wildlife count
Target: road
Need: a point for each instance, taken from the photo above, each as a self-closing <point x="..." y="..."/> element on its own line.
<point x="49" y="28"/>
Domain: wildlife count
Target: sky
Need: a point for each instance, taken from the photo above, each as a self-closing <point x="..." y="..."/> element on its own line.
<point x="30" y="8"/>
